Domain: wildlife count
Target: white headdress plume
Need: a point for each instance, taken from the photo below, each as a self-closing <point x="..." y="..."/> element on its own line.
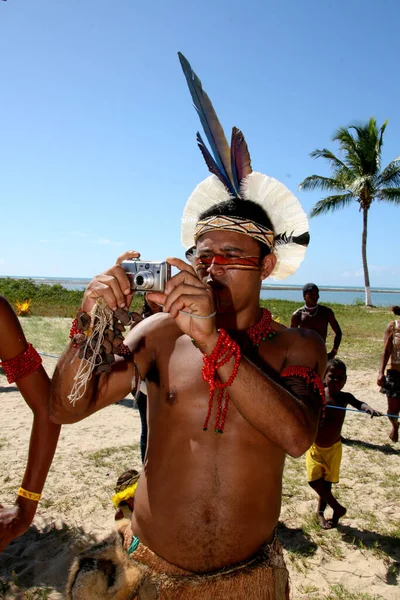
<point x="233" y="178"/>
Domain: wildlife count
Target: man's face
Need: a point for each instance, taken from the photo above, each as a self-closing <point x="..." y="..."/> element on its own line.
<point x="311" y="297"/>
<point x="335" y="379"/>
<point x="230" y="263"/>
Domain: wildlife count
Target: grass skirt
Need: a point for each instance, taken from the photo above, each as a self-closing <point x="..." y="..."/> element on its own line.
<point x="104" y="571"/>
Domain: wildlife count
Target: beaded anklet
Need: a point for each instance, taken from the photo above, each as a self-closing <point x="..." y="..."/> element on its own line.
<point x="21" y="365"/>
<point x="224" y="350"/>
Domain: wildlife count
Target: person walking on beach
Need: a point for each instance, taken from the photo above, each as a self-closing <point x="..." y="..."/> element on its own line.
<point x="230" y="393"/>
<point x="22" y="364"/>
<point x="323" y="458"/>
<point x="390" y="383"/>
<point x="317" y="317"/>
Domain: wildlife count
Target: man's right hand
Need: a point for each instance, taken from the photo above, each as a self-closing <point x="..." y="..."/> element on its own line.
<point x="112" y="285"/>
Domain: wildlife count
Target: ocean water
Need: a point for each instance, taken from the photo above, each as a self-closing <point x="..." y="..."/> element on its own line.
<point x="328" y="294"/>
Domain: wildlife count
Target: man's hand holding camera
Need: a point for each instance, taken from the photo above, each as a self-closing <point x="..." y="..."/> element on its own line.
<point x="113" y="285"/>
<point x="191" y="303"/>
<point x="187" y="299"/>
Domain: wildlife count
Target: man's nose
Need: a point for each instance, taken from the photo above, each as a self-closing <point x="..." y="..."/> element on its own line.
<point x="215" y="268"/>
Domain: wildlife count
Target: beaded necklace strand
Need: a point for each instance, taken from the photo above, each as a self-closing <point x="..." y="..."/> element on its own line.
<point x="225" y="349"/>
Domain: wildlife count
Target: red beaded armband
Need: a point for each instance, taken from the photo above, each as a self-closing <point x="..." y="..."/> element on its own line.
<point x="22" y="365"/>
<point x="74" y="329"/>
<point x="311" y="378"/>
<point x="224" y="350"/>
<point x="125" y="352"/>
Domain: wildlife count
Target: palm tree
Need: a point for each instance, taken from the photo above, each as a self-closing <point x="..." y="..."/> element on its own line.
<point x="357" y="177"/>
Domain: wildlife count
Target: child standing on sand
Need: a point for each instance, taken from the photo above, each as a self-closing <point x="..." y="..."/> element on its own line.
<point x="323" y="458"/>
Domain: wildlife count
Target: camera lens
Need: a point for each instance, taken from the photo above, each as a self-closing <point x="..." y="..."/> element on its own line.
<point x="144" y="280"/>
<point x="139" y="280"/>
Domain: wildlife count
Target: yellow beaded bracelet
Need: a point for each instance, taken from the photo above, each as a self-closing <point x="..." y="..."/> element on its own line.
<point x="29" y="495"/>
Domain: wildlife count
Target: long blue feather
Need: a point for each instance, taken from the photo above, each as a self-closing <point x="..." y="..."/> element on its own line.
<point x="212" y="128"/>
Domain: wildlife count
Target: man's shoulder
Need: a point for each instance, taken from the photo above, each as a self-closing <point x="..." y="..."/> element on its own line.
<point x="301" y="334"/>
<point x="325" y="309"/>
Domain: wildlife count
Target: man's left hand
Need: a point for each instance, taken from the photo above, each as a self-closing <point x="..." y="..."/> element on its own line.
<point x="191" y="303"/>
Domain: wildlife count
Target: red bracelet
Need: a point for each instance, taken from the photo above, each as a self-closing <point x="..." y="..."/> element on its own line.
<point x="224" y="350"/>
<point x="311" y="378"/>
<point x="21" y="365"/>
<point x="74" y="329"/>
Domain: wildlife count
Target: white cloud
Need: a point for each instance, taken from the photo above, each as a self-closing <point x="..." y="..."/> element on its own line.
<point x="358" y="273"/>
<point x="79" y="234"/>
<point x="390" y="270"/>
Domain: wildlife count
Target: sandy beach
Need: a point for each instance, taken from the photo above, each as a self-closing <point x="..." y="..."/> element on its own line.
<point x="358" y="561"/>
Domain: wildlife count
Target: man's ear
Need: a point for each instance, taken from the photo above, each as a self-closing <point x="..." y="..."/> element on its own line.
<point x="268" y="265"/>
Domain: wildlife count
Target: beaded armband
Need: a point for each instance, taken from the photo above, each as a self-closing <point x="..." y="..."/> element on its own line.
<point x="310" y="377"/>
<point x="224" y="350"/>
<point x="22" y="365"/>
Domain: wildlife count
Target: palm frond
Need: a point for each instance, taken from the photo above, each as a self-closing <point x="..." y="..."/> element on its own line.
<point x="336" y="163"/>
<point x="317" y="182"/>
<point x="363" y="182"/>
<point x="331" y="203"/>
<point x="367" y="143"/>
<point x="390" y="176"/>
<point x="348" y="146"/>
<point x="380" y="142"/>
<point x="390" y="195"/>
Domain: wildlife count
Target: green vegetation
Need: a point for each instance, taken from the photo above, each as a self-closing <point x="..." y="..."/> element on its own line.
<point x="363" y="327"/>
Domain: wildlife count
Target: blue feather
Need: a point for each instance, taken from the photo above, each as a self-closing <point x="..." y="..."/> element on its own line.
<point x="221" y="160"/>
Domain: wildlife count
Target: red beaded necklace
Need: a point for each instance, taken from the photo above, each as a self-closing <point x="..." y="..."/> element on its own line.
<point x="261" y="330"/>
<point x="224" y="350"/>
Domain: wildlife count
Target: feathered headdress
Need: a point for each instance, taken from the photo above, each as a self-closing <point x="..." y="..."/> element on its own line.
<point x="233" y="177"/>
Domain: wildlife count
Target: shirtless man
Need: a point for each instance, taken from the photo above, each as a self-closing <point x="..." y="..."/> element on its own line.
<point x="210" y="493"/>
<point x="317" y="317"/>
<point x="390" y="383"/>
<point x="223" y="491"/>
<point x="324" y="457"/>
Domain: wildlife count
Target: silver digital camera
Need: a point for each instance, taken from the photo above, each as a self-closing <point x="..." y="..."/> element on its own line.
<point x="147" y="275"/>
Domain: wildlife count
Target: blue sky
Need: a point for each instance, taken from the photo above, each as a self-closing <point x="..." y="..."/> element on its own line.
<point x="97" y="128"/>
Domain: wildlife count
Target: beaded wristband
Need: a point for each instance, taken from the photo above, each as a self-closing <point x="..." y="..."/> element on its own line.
<point x="29" y="495"/>
<point x="21" y="365"/>
<point x="224" y="350"/>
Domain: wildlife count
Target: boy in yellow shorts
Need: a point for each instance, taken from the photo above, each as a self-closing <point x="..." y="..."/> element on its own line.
<point x="324" y="456"/>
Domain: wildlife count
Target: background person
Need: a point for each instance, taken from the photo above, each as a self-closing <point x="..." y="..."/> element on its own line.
<point x="22" y="365"/>
<point x="323" y="458"/>
<point x="390" y="383"/>
<point x="149" y="308"/>
<point x="317" y="317"/>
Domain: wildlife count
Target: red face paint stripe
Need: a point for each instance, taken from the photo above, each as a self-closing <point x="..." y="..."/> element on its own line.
<point x="224" y="261"/>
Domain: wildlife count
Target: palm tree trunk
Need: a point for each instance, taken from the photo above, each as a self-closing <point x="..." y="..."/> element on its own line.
<point x="368" y="301"/>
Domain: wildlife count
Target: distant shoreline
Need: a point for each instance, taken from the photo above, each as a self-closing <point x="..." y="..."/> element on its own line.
<point x="83" y="282"/>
